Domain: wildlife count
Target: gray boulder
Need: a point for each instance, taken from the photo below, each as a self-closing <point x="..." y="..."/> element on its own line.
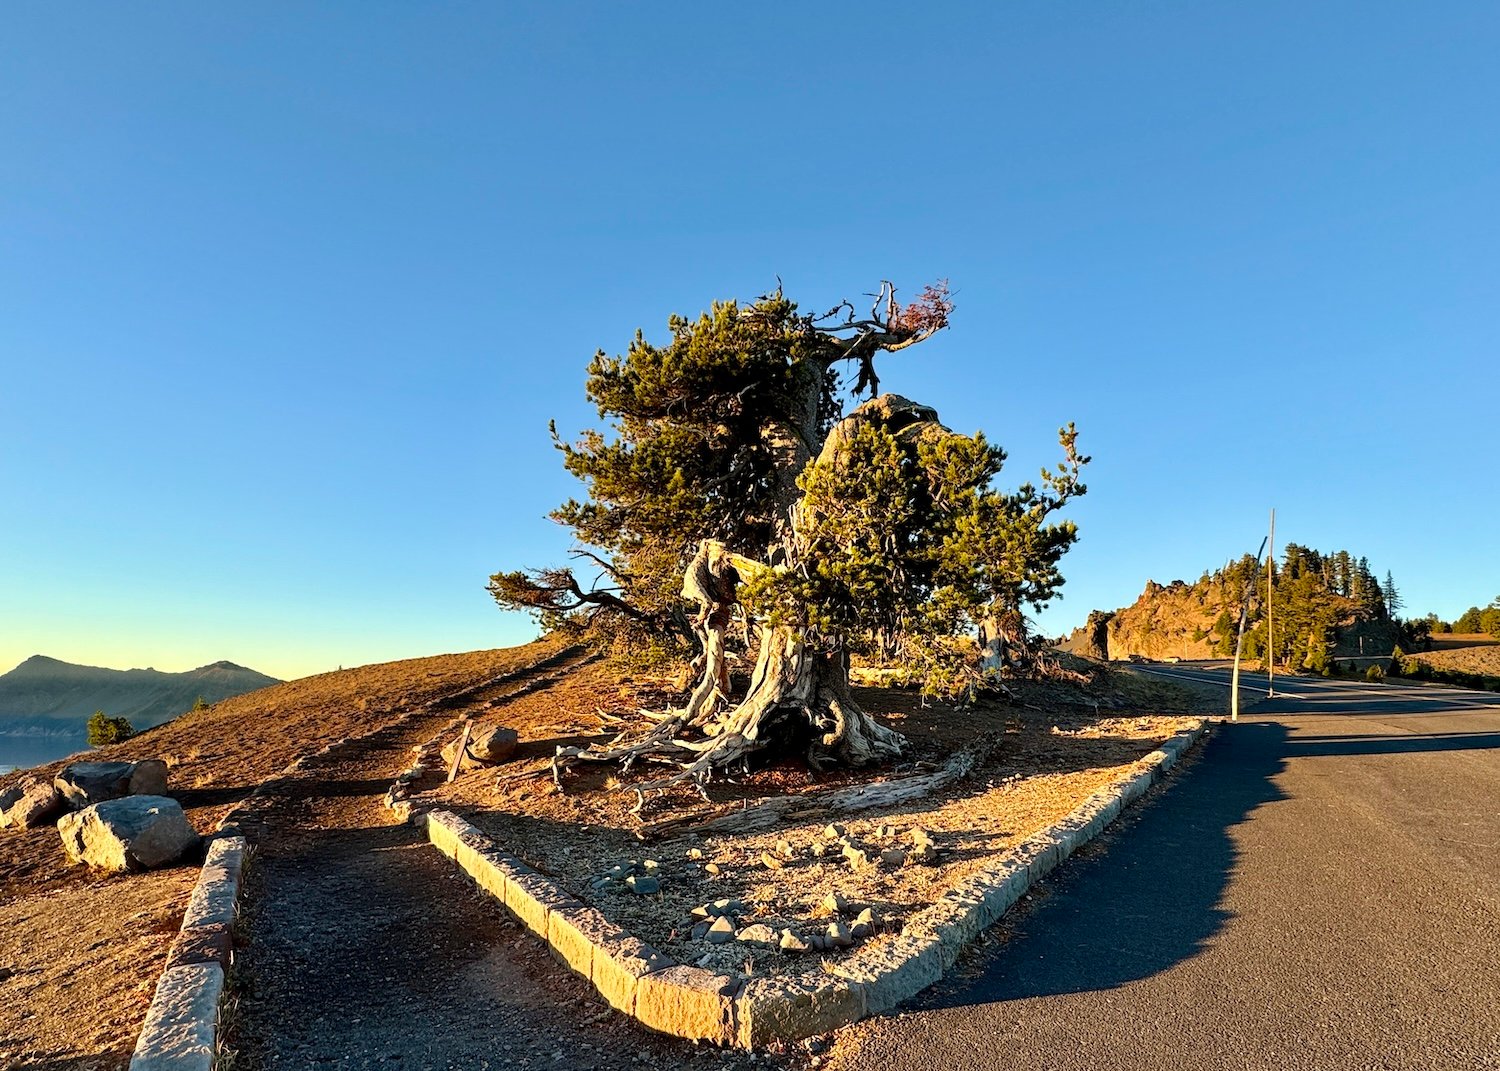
<point x="497" y="746"/>
<point x="149" y="778"/>
<point x="130" y="833"/>
<point x="35" y="803"/>
<point x="85" y="783"/>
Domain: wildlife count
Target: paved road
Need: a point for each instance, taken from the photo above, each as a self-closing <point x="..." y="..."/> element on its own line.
<point x="1318" y="888"/>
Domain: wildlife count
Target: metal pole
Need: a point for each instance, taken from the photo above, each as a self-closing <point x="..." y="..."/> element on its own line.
<point x="1270" y="619"/>
<point x="1234" y="685"/>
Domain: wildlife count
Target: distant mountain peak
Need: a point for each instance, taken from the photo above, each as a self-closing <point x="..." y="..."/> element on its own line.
<point x="49" y="688"/>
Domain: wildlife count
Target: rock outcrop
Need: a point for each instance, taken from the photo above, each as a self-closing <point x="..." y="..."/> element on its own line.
<point x="129" y="833"/>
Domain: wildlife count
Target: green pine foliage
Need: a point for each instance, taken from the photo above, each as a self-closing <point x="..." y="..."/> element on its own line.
<point x="899" y="542"/>
<point x="1315" y="593"/>
<point x="105" y="730"/>
<point x="1476" y="619"/>
<point x="907" y="544"/>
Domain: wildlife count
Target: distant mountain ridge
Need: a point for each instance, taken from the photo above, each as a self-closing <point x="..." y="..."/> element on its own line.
<point x="45" y="693"/>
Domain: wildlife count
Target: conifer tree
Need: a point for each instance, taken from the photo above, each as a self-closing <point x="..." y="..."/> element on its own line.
<point x="730" y="486"/>
<point x="1392" y="597"/>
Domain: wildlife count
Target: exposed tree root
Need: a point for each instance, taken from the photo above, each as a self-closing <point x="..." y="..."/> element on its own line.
<point x="798" y="697"/>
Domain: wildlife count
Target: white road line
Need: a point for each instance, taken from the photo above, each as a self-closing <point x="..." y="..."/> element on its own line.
<point x="1464" y="698"/>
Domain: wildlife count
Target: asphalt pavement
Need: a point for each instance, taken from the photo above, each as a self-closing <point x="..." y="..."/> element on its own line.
<point x="1319" y="887"/>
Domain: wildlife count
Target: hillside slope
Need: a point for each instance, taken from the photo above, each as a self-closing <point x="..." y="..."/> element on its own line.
<point x="71" y="938"/>
<point x="1316" y="618"/>
<point x="46" y="692"/>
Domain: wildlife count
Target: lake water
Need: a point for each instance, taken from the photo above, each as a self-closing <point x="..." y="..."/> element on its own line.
<point x="21" y="751"/>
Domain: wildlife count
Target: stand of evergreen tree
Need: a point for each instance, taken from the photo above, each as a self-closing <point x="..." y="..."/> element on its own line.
<point x="1314" y="593"/>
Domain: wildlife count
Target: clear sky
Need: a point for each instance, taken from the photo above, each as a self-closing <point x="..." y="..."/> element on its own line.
<point x="288" y="293"/>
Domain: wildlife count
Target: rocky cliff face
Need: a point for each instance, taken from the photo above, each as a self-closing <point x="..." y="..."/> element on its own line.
<point x="1199" y="621"/>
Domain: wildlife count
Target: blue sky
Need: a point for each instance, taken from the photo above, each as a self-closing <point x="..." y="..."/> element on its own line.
<point x="290" y="292"/>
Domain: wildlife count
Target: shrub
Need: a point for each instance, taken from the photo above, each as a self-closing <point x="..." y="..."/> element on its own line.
<point x="1375" y="673"/>
<point x="106" y="730"/>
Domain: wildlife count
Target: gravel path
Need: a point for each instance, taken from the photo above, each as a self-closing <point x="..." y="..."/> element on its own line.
<point x="366" y="949"/>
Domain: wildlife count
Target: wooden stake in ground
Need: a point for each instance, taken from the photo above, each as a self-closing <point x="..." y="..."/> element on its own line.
<point x="463" y="749"/>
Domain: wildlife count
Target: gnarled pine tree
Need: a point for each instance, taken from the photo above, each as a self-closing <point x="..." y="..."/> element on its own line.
<point x="734" y="482"/>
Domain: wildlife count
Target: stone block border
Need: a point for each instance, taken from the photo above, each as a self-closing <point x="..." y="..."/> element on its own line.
<point x="181" y="1030"/>
<point x="698" y="1004"/>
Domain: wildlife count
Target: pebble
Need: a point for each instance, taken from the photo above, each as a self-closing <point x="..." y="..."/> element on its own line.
<point x="695" y="853"/>
<point x="721" y="931"/>
<point x="786" y="849"/>
<point x="834" y="831"/>
<point x="893" y="857"/>
<point x="643" y="884"/>
<point x="838" y="934"/>
<point x="835" y="904"/>
<point x="713" y="868"/>
<point x="772" y="862"/>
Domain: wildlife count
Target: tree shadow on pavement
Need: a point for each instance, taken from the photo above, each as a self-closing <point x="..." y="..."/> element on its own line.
<point x="1395" y="744"/>
<point x="1129" y="907"/>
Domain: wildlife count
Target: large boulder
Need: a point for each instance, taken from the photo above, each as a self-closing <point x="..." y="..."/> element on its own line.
<point x="498" y="745"/>
<point x="29" y="806"/>
<point x="83" y="784"/>
<point x="130" y="833"/>
<point x="149" y="778"/>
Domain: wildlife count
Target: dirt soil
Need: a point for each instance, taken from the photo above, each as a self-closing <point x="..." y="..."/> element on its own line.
<point x="73" y="940"/>
<point x="1478" y="653"/>
<point x="1048" y="751"/>
<point x="361" y="942"/>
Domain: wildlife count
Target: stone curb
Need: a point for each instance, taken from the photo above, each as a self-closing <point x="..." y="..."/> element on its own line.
<point x="699" y="1005"/>
<point x="181" y="1027"/>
